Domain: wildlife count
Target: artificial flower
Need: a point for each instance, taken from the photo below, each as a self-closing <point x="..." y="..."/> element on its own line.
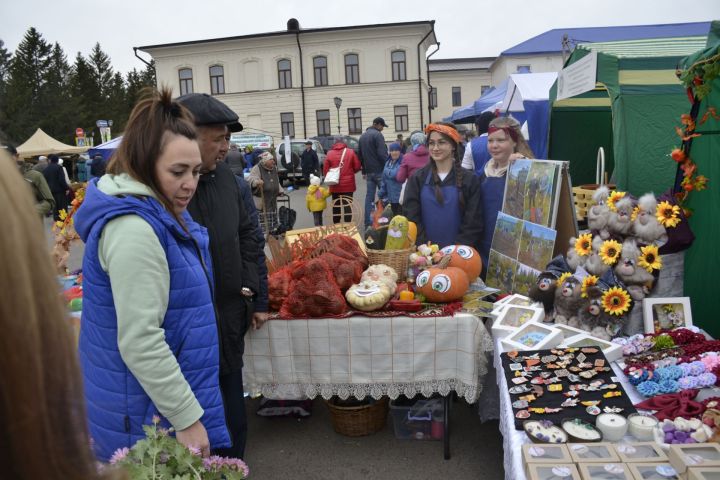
<point x="610" y="251"/>
<point x="635" y="213"/>
<point x="616" y="301"/>
<point x="562" y="278"/>
<point x="589" y="281"/>
<point x="614" y="197"/>
<point x="650" y="258"/>
<point x="667" y="214"/>
<point x="583" y="245"/>
<point x="678" y="155"/>
<point x="701" y="182"/>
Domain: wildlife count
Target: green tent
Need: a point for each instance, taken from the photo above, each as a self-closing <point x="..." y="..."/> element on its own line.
<point x="632" y="113"/>
<point x="702" y="261"/>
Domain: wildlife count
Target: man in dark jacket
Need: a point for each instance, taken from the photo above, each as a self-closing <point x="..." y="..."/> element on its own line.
<point x="235" y="160"/>
<point x="44" y="202"/>
<point x="55" y="177"/>
<point x="373" y="154"/>
<point x="218" y="205"/>
<point x="309" y="162"/>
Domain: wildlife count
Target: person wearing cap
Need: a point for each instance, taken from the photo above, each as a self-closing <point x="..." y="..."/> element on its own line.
<point x="309" y="162"/>
<point x="55" y="176"/>
<point x="41" y="164"/>
<point x="44" y="201"/>
<point x="219" y="207"/>
<point x="373" y="153"/>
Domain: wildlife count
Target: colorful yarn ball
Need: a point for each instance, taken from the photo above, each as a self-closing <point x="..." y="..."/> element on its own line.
<point x="688" y="382"/>
<point x="707" y="379"/>
<point x="648" y="389"/>
<point x="697" y="368"/>
<point x="668" y="386"/>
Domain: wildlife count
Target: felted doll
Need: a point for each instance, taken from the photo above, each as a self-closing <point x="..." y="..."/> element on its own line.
<point x="567" y="301"/>
<point x="645" y="226"/>
<point x="593" y="318"/>
<point x="574" y="259"/>
<point x="594" y="263"/>
<point x="544" y="291"/>
<point x="599" y="213"/>
<point x="637" y="279"/>
<point x="620" y="220"/>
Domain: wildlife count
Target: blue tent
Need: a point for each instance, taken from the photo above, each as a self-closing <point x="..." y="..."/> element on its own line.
<point x="105" y="149"/>
<point x="488" y="101"/>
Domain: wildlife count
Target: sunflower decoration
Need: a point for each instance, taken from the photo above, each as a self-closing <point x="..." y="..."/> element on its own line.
<point x="610" y="252"/>
<point x="650" y="258"/>
<point x="613" y="198"/>
<point x="635" y="213"/>
<point x="589" y="281"/>
<point x="583" y="245"/>
<point x="616" y="301"/>
<point x="667" y="214"/>
<point x="562" y="279"/>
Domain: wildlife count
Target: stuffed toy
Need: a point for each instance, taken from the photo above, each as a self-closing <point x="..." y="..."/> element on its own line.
<point x="397" y="235"/>
<point x="598" y="214"/>
<point x="375" y="238"/>
<point x="593" y="318"/>
<point x="620" y="221"/>
<point x="637" y="279"/>
<point x="594" y="263"/>
<point x="544" y="291"/>
<point x="574" y="259"/>
<point x="567" y="301"/>
<point x="645" y="226"/>
<point x="381" y="273"/>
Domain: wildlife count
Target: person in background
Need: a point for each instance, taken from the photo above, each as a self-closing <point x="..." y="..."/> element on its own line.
<point x="249" y="157"/>
<point x="415" y="159"/>
<point x="476" y="153"/>
<point x="390" y="188"/>
<point x="235" y="160"/>
<point x="218" y="206"/>
<point x="44" y="201"/>
<point x="98" y="166"/>
<point x="146" y="346"/>
<point x="309" y="162"/>
<point x="399" y="140"/>
<point x="505" y="143"/>
<point x="443" y="198"/>
<point x="373" y="153"/>
<point x="342" y="156"/>
<point x="265" y="182"/>
<point x="316" y="200"/>
<point x="41" y="164"/>
<point x="55" y="176"/>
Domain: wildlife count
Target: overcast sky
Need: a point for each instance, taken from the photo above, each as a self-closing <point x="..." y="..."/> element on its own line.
<point x="467" y="28"/>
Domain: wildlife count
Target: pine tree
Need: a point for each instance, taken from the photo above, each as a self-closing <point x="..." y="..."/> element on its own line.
<point x="5" y="57"/>
<point x="59" y="108"/>
<point x="117" y="104"/>
<point x="81" y="86"/>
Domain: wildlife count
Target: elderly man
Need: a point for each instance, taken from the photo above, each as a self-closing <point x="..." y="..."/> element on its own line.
<point x="373" y="154"/>
<point x="309" y="162"/>
<point x="218" y="205"/>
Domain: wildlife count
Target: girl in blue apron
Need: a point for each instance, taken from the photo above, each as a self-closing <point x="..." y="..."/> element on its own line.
<point x="505" y="144"/>
<point x="442" y="198"/>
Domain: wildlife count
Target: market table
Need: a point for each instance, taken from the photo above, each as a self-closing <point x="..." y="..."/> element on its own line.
<point x="364" y="356"/>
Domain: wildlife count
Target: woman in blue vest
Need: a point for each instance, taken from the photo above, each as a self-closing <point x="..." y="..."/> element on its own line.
<point x="505" y="143"/>
<point x="148" y="338"/>
<point x="442" y="198"/>
<point x="390" y="188"/>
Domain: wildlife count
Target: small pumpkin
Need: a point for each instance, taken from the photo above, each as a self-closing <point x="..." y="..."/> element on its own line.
<point x="368" y="296"/>
<point x="442" y="283"/>
<point x="464" y="257"/>
<point x="381" y="273"/>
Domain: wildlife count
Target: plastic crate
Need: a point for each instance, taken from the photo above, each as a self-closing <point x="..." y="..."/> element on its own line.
<point x="417" y="419"/>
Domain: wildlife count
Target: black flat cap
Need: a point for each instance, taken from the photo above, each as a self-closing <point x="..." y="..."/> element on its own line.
<point x="208" y="110"/>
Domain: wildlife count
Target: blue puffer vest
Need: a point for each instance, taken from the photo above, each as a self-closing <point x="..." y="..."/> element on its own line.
<point x="117" y="405"/>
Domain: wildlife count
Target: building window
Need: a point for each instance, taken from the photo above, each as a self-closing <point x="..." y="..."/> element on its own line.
<point x="323" y="122"/>
<point x="401" y="118"/>
<point x="433" y="97"/>
<point x="217" y="79"/>
<point x="186" y="85"/>
<point x="320" y="69"/>
<point x="352" y="68"/>
<point x="398" y="65"/>
<point x="284" y="74"/>
<point x="456" y="98"/>
<point x="354" y="120"/>
<point x="523" y="69"/>
<point x="287" y="124"/>
<point x="484" y="89"/>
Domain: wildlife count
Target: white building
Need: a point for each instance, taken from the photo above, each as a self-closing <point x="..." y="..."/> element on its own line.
<point x="286" y="82"/>
<point x="456" y="82"/>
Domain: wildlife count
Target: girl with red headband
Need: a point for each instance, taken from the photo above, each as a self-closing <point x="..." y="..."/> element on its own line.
<point x="505" y="144"/>
<point x="442" y="198"/>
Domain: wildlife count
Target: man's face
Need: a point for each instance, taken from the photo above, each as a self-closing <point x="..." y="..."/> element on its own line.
<point x="213" y="143"/>
<point x="379" y="126"/>
<point x="308" y="147"/>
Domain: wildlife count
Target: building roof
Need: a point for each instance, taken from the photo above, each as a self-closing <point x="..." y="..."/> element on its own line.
<point x="289" y="32"/>
<point x="551" y="41"/>
<point x="654" y="47"/>
<point x="451" y="64"/>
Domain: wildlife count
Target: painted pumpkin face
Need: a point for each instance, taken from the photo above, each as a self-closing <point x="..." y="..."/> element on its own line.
<point x="442" y="284"/>
<point x="465" y="258"/>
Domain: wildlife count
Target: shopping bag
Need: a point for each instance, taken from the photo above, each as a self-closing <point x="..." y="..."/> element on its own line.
<point x="333" y="174"/>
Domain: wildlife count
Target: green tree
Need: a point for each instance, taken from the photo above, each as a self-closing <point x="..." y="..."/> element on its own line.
<point x="58" y="107"/>
<point x="117" y="109"/>
<point x="81" y="86"/>
<point x="5" y="57"/>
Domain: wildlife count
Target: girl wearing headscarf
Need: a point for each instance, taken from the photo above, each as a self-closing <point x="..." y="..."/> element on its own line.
<point x="389" y="187"/>
<point x="442" y="198"/>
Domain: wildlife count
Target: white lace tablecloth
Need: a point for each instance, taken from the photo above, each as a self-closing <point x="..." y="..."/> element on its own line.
<point x="367" y="356"/>
<point x="514" y="439"/>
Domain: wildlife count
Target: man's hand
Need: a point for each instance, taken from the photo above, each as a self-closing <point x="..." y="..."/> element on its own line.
<point x="258" y="319"/>
<point x="195" y="436"/>
<point x="259" y="183"/>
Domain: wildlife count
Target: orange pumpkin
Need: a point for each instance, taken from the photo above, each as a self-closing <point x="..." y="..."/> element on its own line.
<point x="464" y="257"/>
<point x="441" y="284"/>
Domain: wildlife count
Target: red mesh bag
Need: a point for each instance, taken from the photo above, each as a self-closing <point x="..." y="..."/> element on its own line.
<point x="342" y="246"/>
<point x="313" y="292"/>
<point x="346" y="272"/>
<point x="279" y="287"/>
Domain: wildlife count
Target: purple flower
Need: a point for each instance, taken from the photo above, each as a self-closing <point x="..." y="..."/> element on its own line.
<point x="219" y="464"/>
<point x="119" y="455"/>
<point x="195" y="450"/>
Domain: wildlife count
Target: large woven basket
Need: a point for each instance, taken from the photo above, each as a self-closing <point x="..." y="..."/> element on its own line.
<point x="397" y="259"/>
<point x="582" y="196"/>
<point x="360" y="420"/>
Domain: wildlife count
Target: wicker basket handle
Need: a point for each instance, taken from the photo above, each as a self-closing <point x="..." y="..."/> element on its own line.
<point x="600" y="167"/>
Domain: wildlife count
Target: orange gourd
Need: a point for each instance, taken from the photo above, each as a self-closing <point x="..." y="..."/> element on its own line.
<point x="442" y="283"/>
<point x="466" y="258"/>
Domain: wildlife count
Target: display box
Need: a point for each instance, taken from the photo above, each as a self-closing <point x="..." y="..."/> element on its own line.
<point x="612" y="351"/>
<point x="601" y="452"/>
<point x="703" y="473"/>
<point x="513" y="317"/>
<point x="546" y="453"/>
<point x="653" y="471"/>
<point x="563" y="471"/>
<point x="605" y="471"/>
<point x="417" y="419"/>
<point x="532" y="336"/>
<point x="684" y="456"/>
<point x="568" y="331"/>
<point x="640" y="452"/>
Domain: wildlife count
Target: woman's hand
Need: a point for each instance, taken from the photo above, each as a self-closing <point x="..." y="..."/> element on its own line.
<point x="259" y="183"/>
<point x="195" y="436"/>
<point x="516" y="156"/>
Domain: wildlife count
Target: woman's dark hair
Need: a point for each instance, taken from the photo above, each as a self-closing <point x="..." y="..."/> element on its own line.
<point x="457" y="166"/>
<point x="153" y="116"/>
<point x="482" y="122"/>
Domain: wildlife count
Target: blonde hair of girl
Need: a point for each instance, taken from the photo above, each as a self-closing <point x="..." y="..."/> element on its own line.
<point x="521" y="145"/>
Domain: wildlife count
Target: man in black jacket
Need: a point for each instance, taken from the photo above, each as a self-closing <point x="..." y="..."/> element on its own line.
<point x="373" y="155"/>
<point x="309" y="162"/>
<point x="55" y="177"/>
<point x="218" y="205"/>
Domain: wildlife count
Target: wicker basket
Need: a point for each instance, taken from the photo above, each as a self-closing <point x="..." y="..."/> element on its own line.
<point x="583" y="196"/>
<point x="358" y="421"/>
<point x="397" y="259"/>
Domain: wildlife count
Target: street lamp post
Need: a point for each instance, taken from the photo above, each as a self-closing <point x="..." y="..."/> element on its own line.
<point x="338" y="103"/>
